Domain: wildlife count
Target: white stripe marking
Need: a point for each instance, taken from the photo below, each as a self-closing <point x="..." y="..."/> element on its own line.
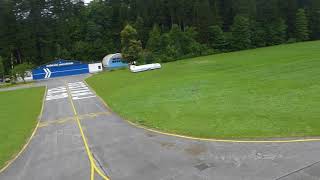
<point x="78" y="98"/>
<point x="79" y="90"/>
<point x="57" y="93"/>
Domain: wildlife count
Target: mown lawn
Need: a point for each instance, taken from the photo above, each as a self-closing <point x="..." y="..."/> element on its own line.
<point x="267" y="92"/>
<point x="19" y="111"/>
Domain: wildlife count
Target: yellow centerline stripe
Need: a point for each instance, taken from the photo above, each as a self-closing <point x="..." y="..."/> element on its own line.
<point x="91" y="159"/>
<point x="31" y="137"/>
<point x="206" y="139"/>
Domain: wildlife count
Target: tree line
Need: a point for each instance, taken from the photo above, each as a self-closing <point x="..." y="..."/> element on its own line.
<point x="39" y="31"/>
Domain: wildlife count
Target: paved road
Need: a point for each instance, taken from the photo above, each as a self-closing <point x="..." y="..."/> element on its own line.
<point x="124" y="152"/>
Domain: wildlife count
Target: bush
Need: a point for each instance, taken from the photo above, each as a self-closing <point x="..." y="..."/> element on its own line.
<point x="20" y="71"/>
<point x="147" y="57"/>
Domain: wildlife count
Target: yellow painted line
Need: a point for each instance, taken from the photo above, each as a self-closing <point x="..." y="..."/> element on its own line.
<point x="92" y="172"/>
<point x="69" y="119"/>
<point x="222" y="140"/>
<point x="94" y="168"/>
<point x="208" y="139"/>
<point x="31" y="137"/>
<point x="57" y="121"/>
<point x="21" y="151"/>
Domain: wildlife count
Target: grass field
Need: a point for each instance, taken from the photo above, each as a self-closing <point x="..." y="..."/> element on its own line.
<point x="19" y="111"/>
<point x="267" y="92"/>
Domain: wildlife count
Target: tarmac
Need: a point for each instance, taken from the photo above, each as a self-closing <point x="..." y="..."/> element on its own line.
<point x="80" y="138"/>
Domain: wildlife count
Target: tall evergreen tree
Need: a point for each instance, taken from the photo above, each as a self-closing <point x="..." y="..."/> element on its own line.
<point x="287" y="10"/>
<point x="245" y="8"/>
<point x="301" y="26"/>
<point x="131" y="46"/>
<point x="276" y="32"/>
<point x="259" y="34"/>
<point x="154" y="39"/>
<point x="216" y="38"/>
<point x="1" y="68"/>
<point x="142" y="30"/>
<point x="203" y="19"/>
<point x="241" y="34"/>
<point x="314" y="14"/>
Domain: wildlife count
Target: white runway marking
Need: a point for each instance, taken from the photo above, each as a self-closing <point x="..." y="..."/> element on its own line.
<point x="79" y="90"/>
<point x="57" y="93"/>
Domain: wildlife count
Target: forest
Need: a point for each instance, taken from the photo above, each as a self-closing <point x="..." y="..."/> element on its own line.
<point x="39" y="31"/>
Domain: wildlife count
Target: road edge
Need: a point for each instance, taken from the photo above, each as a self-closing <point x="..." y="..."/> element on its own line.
<point x="202" y="139"/>
<point x="8" y="163"/>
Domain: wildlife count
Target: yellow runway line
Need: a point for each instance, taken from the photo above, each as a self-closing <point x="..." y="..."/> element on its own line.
<point x="93" y="167"/>
<point x="31" y="137"/>
<point x="57" y="121"/>
<point x="69" y="119"/>
<point x="223" y="140"/>
<point x="208" y="139"/>
<point x="21" y="151"/>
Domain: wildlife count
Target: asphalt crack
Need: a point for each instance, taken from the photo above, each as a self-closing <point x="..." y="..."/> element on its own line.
<point x="296" y="171"/>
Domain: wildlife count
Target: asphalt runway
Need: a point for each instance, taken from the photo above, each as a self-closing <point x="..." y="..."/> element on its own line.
<point x="121" y="151"/>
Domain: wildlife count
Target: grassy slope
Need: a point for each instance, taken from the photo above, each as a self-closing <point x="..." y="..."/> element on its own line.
<point x="18" y="117"/>
<point x="267" y="92"/>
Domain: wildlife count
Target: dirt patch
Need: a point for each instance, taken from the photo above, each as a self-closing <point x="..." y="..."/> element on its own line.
<point x="150" y="134"/>
<point x="167" y="144"/>
<point x="196" y="149"/>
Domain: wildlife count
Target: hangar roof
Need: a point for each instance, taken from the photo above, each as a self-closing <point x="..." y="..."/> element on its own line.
<point x="60" y="62"/>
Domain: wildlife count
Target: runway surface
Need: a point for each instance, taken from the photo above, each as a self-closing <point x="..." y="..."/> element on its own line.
<point x="124" y="152"/>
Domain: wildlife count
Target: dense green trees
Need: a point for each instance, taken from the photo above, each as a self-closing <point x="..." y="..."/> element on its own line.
<point x="39" y="31"/>
<point x="175" y="44"/>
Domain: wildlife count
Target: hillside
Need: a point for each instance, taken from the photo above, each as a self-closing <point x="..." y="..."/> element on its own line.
<point x="267" y="92"/>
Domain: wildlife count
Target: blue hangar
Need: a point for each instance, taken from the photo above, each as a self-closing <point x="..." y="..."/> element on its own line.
<point x="60" y="68"/>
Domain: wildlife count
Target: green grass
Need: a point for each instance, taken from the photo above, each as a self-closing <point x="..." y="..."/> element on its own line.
<point x="260" y="93"/>
<point x="19" y="111"/>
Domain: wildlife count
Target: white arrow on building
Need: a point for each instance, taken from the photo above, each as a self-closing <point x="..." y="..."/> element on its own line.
<point x="48" y="73"/>
<point x="45" y="70"/>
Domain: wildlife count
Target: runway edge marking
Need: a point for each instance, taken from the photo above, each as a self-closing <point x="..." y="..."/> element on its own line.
<point x="93" y="165"/>
<point x="203" y="139"/>
<point x="31" y="137"/>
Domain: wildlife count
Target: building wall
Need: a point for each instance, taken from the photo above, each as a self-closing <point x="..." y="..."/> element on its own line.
<point x="94" y="68"/>
<point x="60" y="68"/>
